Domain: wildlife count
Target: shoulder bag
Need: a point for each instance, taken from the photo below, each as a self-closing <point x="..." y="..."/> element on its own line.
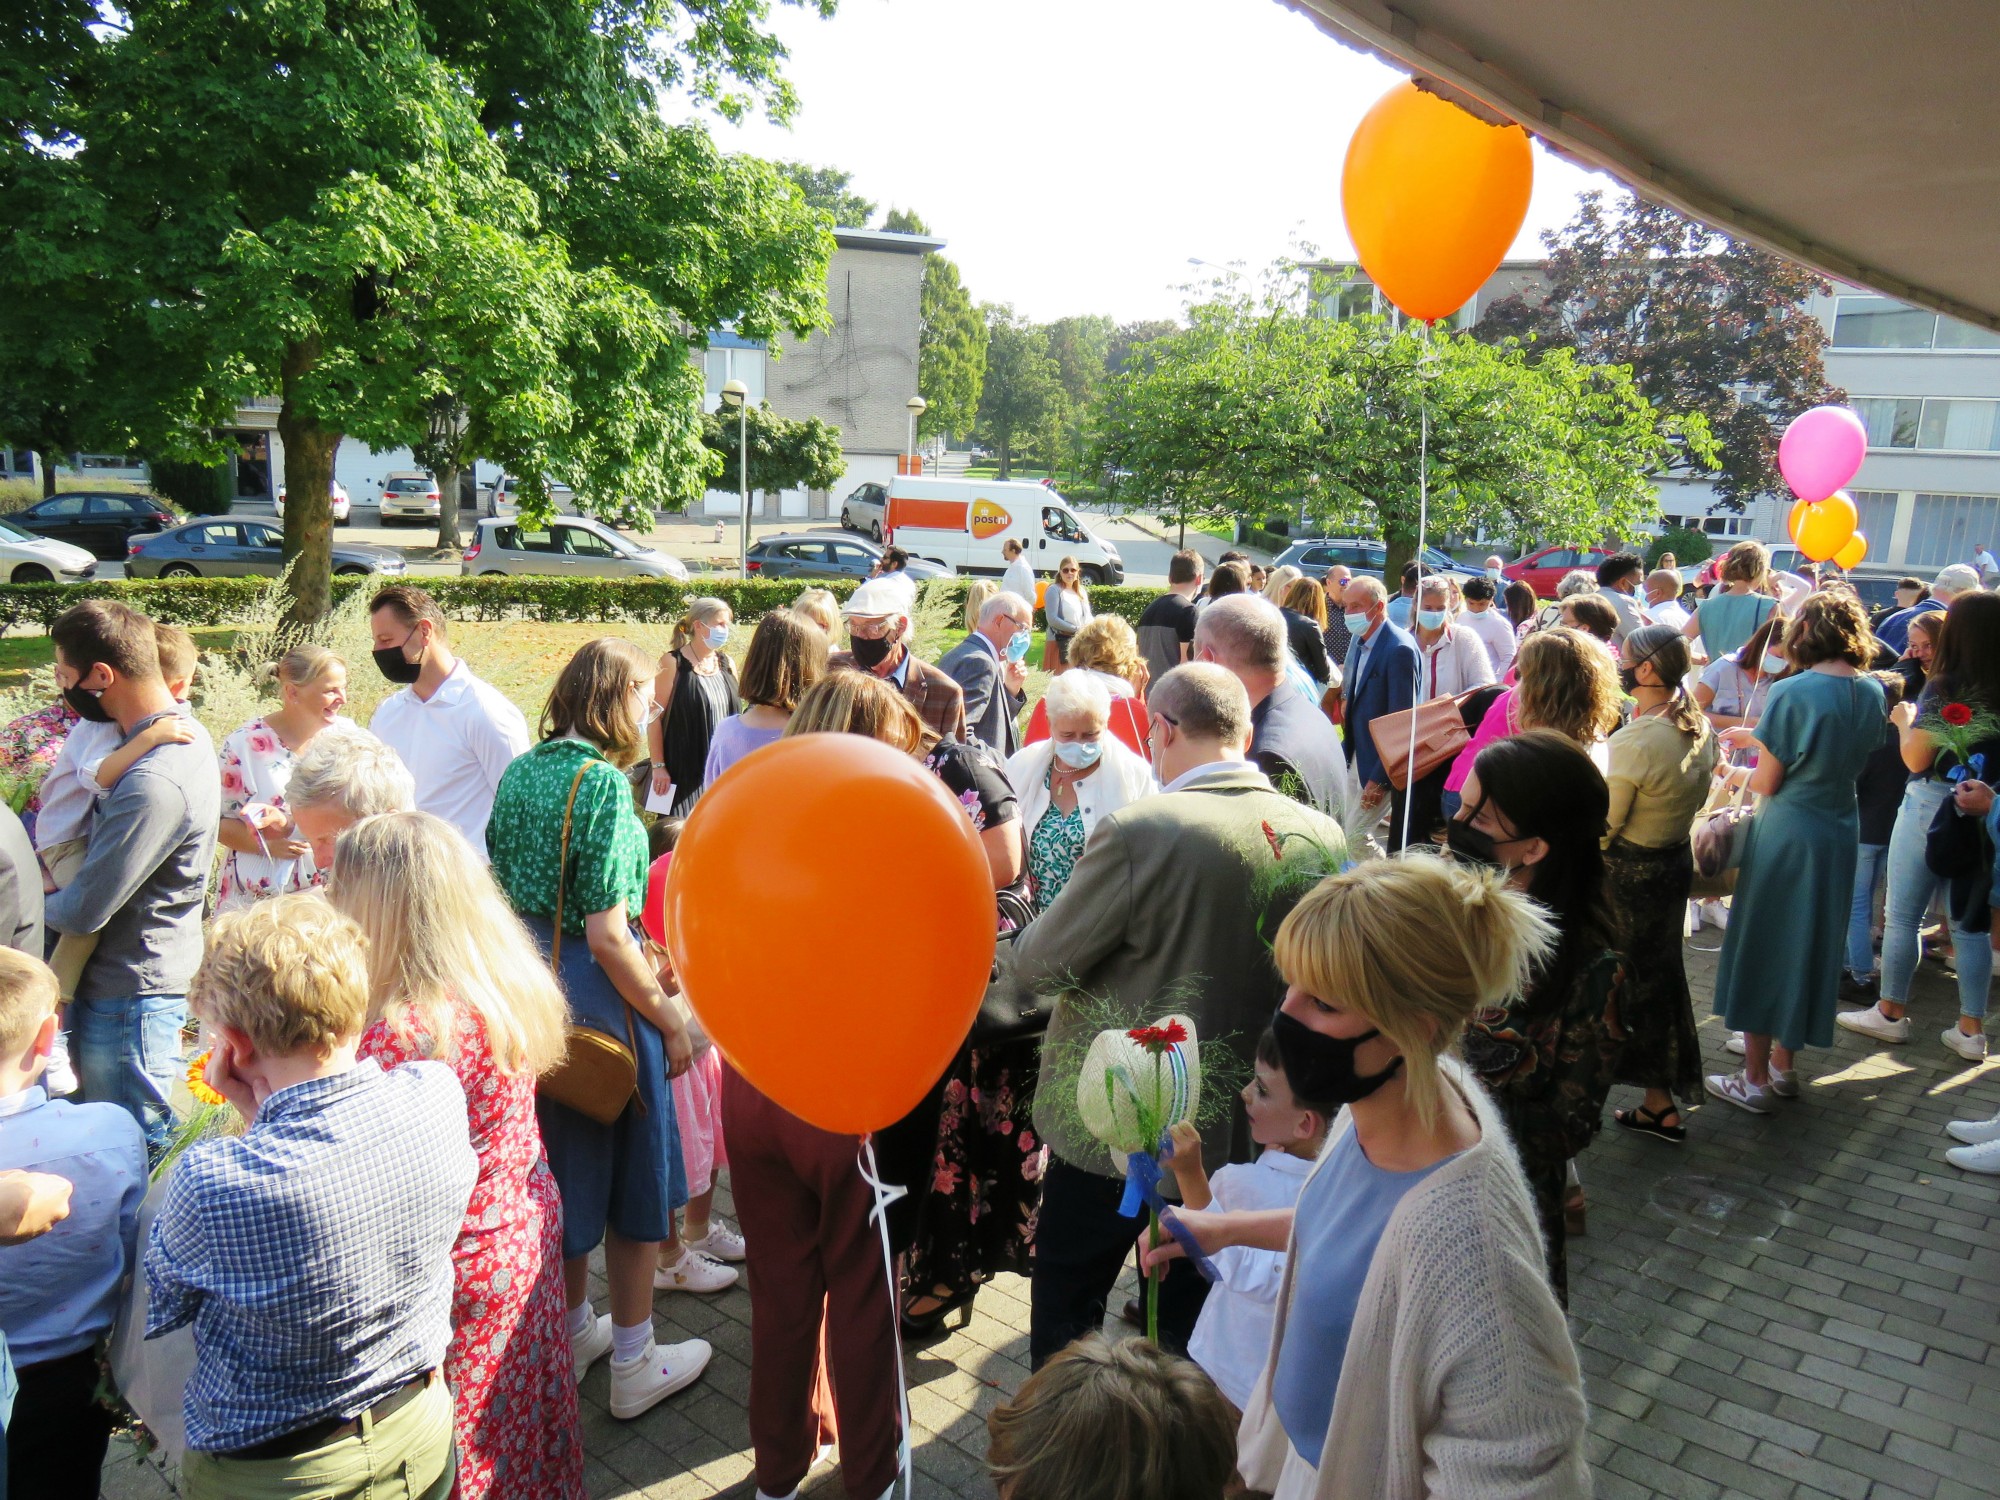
<point x="1721" y="830"/>
<point x="1439" y="727"/>
<point x="599" y="1075"/>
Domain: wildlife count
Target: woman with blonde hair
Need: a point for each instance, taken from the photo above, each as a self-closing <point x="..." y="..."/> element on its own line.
<point x="263" y="853"/>
<point x="1107" y="651"/>
<point x="454" y="978"/>
<point x="1563" y="681"/>
<point x="820" y="607"/>
<point x="976" y="594"/>
<point x="1278" y="583"/>
<point x="1066" y="608"/>
<point x="695" y="690"/>
<point x="1725" y="619"/>
<point x="1304" y="608"/>
<point x="1418" y="1348"/>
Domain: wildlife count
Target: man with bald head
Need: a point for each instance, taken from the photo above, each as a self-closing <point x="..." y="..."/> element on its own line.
<point x="1162" y="914"/>
<point x="1291" y="741"/>
<point x="1382" y="671"/>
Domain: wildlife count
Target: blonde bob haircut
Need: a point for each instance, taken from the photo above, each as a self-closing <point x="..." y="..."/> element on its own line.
<point x="1107" y="643"/>
<point x="976" y="594"/>
<point x="1565" y="681"/>
<point x="439" y="931"/>
<point x="592" y="698"/>
<point x="1416" y="945"/>
<point x="290" y="973"/>
<point x="846" y="701"/>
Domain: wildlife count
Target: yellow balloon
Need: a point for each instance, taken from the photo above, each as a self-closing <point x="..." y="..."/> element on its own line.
<point x="1850" y="556"/>
<point x="1799" y="508"/>
<point x="1433" y="196"/>
<point x="1826" y="527"/>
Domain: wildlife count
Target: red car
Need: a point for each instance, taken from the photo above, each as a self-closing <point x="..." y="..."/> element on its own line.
<point x="1543" y="570"/>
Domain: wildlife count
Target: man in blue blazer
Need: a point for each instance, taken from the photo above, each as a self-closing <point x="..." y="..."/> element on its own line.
<point x="1381" y="679"/>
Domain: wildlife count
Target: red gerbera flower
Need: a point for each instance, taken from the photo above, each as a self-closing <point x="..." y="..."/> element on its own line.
<point x="1159" y="1037"/>
<point x="1957" y="714"/>
<point x="1271" y="837"/>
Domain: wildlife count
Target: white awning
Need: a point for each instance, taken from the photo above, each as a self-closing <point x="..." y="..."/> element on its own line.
<point x="1862" y="138"/>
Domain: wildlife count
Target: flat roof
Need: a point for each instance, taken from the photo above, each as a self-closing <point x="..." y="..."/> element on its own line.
<point x="887" y="239"/>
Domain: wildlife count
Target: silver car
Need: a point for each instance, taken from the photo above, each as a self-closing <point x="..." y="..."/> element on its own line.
<point x="568" y="547"/>
<point x="239" y="547"/>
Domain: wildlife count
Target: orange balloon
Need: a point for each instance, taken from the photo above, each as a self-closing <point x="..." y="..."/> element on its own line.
<point x="1849" y="557"/>
<point x="1799" y="508"/>
<point x="1041" y="591"/>
<point x="844" y="1021"/>
<point x="1433" y="196"/>
<point x="1826" y="526"/>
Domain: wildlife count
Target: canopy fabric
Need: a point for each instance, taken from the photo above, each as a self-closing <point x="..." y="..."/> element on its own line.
<point x="1862" y="139"/>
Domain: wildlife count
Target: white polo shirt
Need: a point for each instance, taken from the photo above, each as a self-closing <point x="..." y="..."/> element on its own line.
<point x="456" y="745"/>
<point x="1496" y="634"/>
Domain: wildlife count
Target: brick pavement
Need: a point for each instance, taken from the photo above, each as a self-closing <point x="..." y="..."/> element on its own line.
<point x="1786" y="1309"/>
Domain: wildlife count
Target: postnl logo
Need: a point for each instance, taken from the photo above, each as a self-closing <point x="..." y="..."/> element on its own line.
<point x="989" y="519"/>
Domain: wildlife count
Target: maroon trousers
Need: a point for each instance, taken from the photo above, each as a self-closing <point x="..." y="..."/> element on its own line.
<point x="804" y="1210"/>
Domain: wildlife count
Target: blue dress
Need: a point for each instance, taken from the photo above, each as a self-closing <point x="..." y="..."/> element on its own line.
<point x="1781" y="954"/>
<point x="1729" y="620"/>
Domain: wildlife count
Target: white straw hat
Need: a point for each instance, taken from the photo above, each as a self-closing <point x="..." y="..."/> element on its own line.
<point x="1126" y="1082"/>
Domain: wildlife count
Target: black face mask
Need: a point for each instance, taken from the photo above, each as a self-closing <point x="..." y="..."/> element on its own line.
<point x="86" y="705"/>
<point x="395" y="666"/>
<point x="1320" y="1068"/>
<point x="1473" y="846"/>
<point x="870" y="654"/>
<point x="1628" y="680"/>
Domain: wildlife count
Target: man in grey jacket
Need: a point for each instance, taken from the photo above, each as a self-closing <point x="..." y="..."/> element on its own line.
<point x="1162" y="914"/>
<point x="993" y="676"/>
<point x="140" y="889"/>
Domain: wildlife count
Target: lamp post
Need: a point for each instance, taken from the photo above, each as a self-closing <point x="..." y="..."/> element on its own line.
<point x="737" y="394"/>
<point x="915" y="406"/>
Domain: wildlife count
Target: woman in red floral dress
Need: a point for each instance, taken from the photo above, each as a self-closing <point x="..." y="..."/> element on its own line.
<point x="456" y="978"/>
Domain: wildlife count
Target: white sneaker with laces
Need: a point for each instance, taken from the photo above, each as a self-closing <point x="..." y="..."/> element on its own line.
<point x="1872" y="1023"/>
<point x="1970" y="1045"/>
<point x="1737" y="1089"/>
<point x="1974" y="1132"/>
<point x="694" y="1272"/>
<point x="720" y="1243"/>
<point x="1735" y="1046"/>
<point x="593" y="1346"/>
<point x="59" y="1077"/>
<point x="1983" y="1158"/>
<point x="641" y="1383"/>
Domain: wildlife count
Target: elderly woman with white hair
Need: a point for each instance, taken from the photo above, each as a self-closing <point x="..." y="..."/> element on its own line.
<point x="1069" y="781"/>
<point x="1450" y="659"/>
<point x="346" y="774"/>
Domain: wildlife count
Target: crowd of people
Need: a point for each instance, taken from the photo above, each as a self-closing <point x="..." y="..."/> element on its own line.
<point x="411" y="956"/>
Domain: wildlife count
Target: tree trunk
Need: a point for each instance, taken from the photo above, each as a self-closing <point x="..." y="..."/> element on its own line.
<point x="1397" y="551"/>
<point x="309" y="450"/>
<point x="1006" y="459"/>
<point x="48" y="474"/>
<point x="447" y="537"/>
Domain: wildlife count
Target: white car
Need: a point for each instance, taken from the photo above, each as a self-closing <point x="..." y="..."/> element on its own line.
<point x="569" y="547"/>
<point x="27" y="558"/>
<point x="500" y="498"/>
<point x="410" y="495"/>
<point x="341" y="504"/>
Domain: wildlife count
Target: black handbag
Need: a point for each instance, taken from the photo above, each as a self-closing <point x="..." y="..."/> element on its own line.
<point x="1009" y="1011"/>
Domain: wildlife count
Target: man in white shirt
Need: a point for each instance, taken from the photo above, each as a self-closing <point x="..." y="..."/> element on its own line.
<point x="456" y="733"/>
<point x="1988" y="565"/>
<point x="1019" y="578"/>
<point x="1494" y="629"/>
<point x="1663" y="599"/>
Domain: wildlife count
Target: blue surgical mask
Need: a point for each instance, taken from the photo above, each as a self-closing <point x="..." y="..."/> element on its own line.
<point x="1431" y="619"/>
<point x="718" y="636"/>
<point x="1017" y="646"/>
<point x="1078" y="755"/>
<point x="1495" y="574"/>
<point x="1773" y="665"/>
<point x="1356" y="624"/>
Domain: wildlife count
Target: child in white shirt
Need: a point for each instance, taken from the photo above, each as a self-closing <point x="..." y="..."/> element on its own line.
<point x="1232" y="1338"/>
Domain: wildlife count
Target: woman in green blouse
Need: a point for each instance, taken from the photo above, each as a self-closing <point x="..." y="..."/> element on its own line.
<point x="620" y="1182"/>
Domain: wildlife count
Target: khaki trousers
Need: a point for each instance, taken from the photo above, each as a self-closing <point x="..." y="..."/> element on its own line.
<point x="408" y="1456"/>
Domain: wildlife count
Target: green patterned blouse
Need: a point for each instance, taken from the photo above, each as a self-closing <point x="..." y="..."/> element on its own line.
<point x="607" y="842"/>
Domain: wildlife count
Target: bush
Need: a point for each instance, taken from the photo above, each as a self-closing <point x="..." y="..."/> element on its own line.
<point x="1686" y="544"/>
<point x="197" y="489"/>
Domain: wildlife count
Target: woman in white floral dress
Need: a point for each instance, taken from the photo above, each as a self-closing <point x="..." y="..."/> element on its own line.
<point x="263" y="853"/>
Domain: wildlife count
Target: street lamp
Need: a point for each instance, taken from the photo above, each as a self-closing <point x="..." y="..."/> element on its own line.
<point x="915" y="406"/>
<point x="737" y="394"/>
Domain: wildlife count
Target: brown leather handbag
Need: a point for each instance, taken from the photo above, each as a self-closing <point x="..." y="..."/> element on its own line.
<point x="599" y="1075"/>
<point x="1439" y="727"/>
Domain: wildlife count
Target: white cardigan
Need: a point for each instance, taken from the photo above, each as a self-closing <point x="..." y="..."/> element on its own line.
<point x="1120" y="778"/>
<point x="1460" y="1378"/>
<point x="1455" y="662"/>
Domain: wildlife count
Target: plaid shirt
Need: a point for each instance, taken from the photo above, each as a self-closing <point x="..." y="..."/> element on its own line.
<point x="313" y="1252"/>
<point x="938" y="700"/>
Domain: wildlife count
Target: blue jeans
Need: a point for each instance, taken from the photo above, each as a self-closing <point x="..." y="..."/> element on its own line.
<point x="1911" y="886"/>
<point x="128" y="1051"/>
<point x="1868" y="873"/>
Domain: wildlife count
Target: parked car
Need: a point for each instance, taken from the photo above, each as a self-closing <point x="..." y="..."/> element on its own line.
<point x="867" y="510"/>
<point x="1360" y="555"/>
<point x="502" y="497"/>
<point x="569" y="547"/>
<point x="410" y="495"/>
<point x="99" y="521"/>
<point x="27" y="558"/>
<point x="239" y="547"/>
<point x="1543" y="570"/>
<point x="342" y="506"/>
<point x="820" y="555"/>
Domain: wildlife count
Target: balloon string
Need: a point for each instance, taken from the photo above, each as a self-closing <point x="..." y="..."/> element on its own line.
<point x="1423" y="524"/>
<point x="886" y="1193"/>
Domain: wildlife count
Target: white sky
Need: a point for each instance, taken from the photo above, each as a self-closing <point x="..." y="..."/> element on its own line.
<point x="1076" y="153"/>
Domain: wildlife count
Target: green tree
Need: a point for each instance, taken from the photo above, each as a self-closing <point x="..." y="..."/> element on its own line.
<point x="1023" y="386"/>
<point x="785" y="453"/>
<point x="1081" y="348"/>
<point x="826" y="191"/>
<point x="1128" y="339"/>
<point x="1706" y="323"/>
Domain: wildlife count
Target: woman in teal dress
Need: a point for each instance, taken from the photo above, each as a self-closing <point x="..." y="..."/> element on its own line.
<point x="1730" y="616"/>
<point x="1781" y="954"/>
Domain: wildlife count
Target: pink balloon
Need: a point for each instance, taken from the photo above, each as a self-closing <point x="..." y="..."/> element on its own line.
<point x="1821" y="451"/>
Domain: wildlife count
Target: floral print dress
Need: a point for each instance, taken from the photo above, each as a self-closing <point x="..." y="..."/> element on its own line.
<point x="257" y="768"/>
<point x="512" y="1377"/>
<point x="1054" y="848"/>
<point x="29" y="746"/>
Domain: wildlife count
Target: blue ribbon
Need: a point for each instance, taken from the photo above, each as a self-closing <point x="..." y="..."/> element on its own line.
<point x="1193" y="1251"/>
<point x="1974" y="771"/>
<point x="1142" y="1185"/>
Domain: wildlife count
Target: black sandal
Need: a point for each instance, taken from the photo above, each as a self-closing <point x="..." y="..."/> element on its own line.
<point x="1648" y="1122"/>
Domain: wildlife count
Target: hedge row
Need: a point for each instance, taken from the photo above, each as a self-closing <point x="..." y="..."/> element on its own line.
<point x="224" y="601"/>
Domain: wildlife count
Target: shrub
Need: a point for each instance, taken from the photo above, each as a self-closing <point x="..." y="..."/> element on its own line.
<point x="1687" y="545"/>
<point x="197" y="489"/>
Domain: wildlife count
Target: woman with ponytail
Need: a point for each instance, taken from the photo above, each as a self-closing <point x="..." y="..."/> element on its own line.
<point x="1661" y="766"/>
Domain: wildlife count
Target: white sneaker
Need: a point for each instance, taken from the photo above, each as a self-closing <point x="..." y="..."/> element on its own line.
<point x="1974" y="1132"/>
<point x="1984" y="1158"/>
<point x="641" y="1383"/>
<point x="1872" y="1023"/>
<point x="593" y="1346"/>
<point x="59" y="1077"/>
<point x="1785" y="1082"/>
<point x="1735" y="1046"/>
<point x="1715" y="914"/>
<point x="1693" y="919"/>
<point x="1737" y="1089"/>
<point x="1969" y="1045"/>
<point x="694" y="1272"/>
<point x="720" y="1243"/>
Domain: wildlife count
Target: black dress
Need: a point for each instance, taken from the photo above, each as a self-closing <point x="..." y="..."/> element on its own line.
<point x="700" y="702"/>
